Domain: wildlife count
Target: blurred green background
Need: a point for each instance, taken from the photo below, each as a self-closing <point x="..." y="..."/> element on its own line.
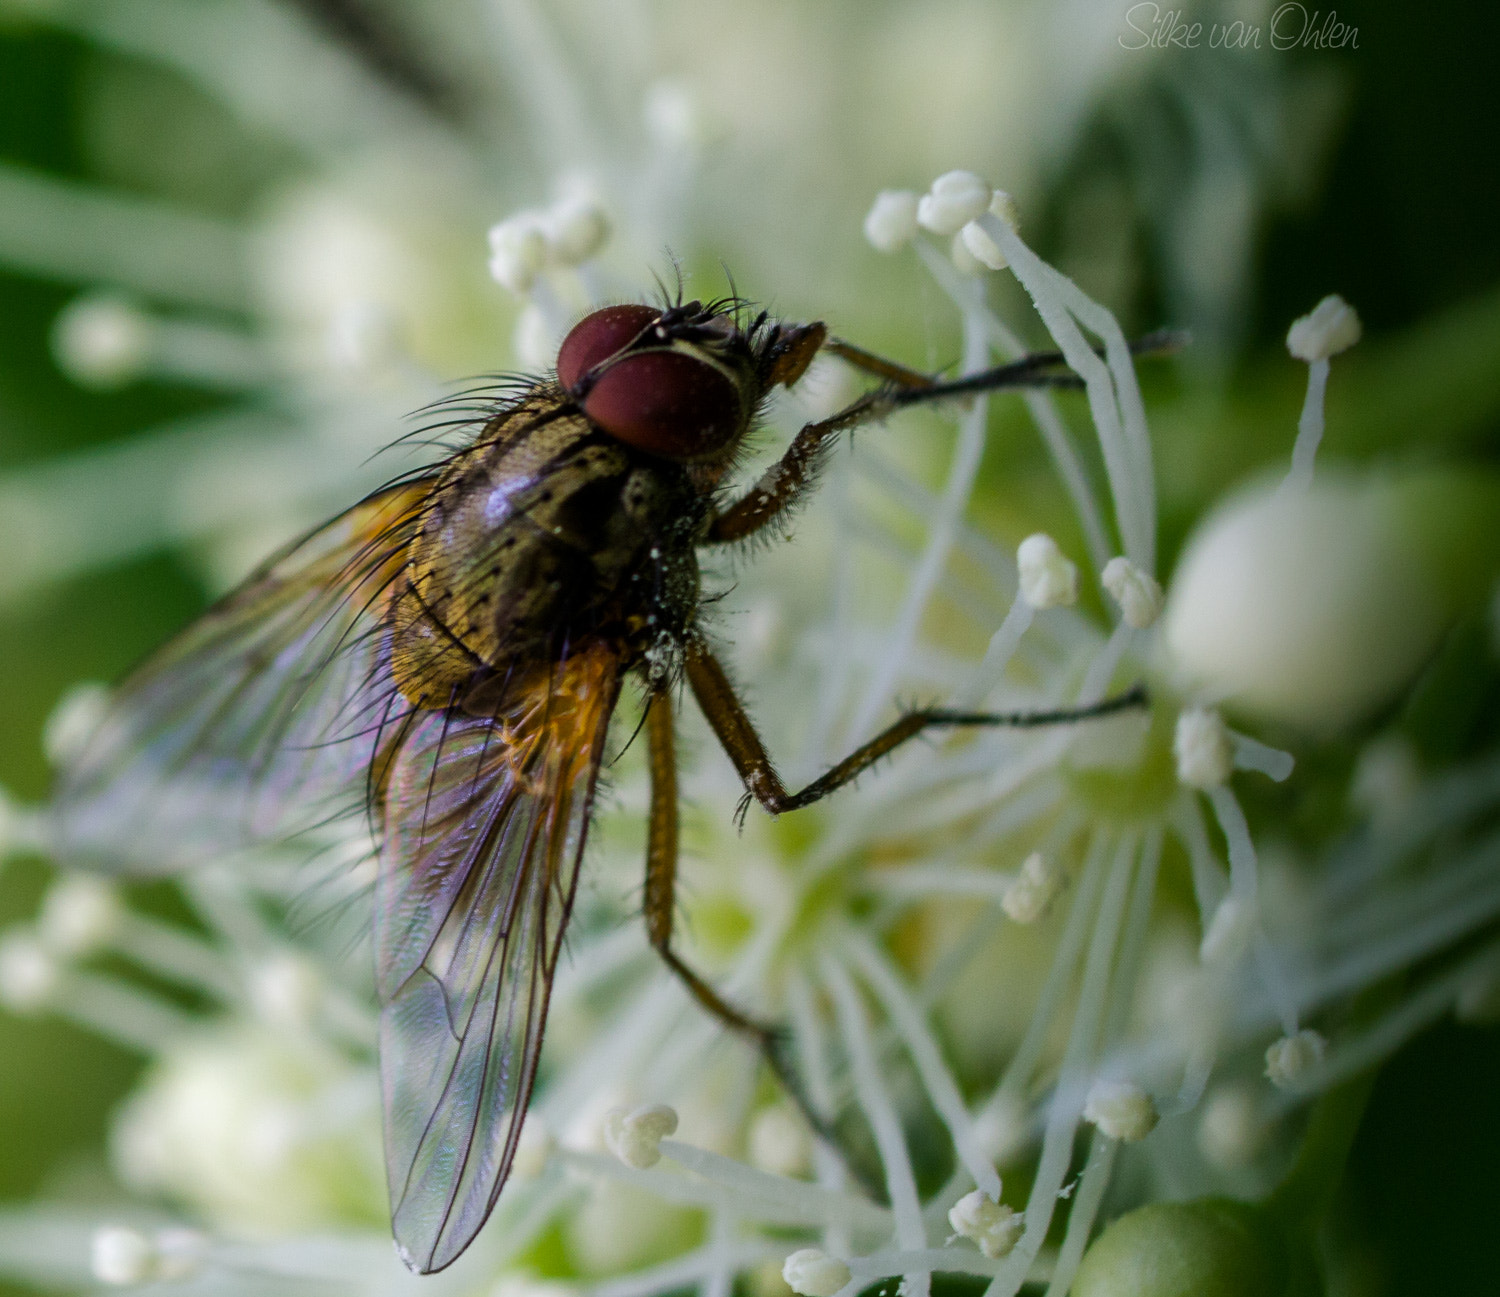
<point x="1400" y="219"/>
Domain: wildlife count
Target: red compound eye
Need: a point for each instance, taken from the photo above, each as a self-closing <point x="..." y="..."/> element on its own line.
<point x="666" y="403"/>
<point x="597" y="337"/>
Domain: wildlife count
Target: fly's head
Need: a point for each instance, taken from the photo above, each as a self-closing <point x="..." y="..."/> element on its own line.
<point x="682" y="383"/>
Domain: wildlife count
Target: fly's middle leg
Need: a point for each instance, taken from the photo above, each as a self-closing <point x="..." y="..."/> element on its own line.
<point x="736" y="732"/>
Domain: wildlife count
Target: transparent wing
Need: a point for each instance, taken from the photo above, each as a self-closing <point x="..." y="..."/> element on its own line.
<point x="260" y="719"/>
<point x="484" y="823"/>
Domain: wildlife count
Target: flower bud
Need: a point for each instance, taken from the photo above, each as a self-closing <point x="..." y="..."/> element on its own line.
<point x="1312" y="608"/>
<point x="1213" y="1247"/>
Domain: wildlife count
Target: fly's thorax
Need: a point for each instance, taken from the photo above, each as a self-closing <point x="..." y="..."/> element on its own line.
<point x="545" y="532"/>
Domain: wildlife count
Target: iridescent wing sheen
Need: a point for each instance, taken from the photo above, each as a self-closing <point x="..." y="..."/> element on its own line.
<point x="261" y="719"/>
<point x="484" y="822"/>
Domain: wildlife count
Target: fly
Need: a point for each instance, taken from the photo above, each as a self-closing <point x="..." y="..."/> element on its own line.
<point x="447" y="654"/>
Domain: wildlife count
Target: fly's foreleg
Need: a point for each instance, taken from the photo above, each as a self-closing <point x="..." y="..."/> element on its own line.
<point x="784" y="485"/>
<point x="787" y="482"/>
<point x="736" y="732"/>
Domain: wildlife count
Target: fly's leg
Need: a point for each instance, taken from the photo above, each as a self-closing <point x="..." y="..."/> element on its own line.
<point x="783" y="486"/>
<point x="660" y="903"/>
<point x="786" y="483"/>
<point x="732" y="724"/>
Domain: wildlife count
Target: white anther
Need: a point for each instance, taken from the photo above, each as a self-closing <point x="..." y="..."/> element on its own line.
<point x="1290" y="1059"/>
<point x="362" y="336"/>
<point x="1048" y="578"/>
<point x="955" y="199"/>
<point x="1136" y="591"/>
<point x="121" y="1256"/>
<point x="813" y="1273"/>
<point x="1034" y="889"/>
<point x="1386" y="779"/>
<point x="1330" y="327"/>
<point x="79" y="915"/>
<point x="995" y="1227"/>
<point x="635" y="1136"/>
<point x="779" y="1142"/>
<point x="72" y="722"/>
<point x="978" y="240"/>
<point x="673" y="115"/>
<point x="1230" y="1131"/>
<point x="518" y="251"/>
<point x="1228" y="933"/>
<point x="1205" y="756"/>
<point x="286" y="990"/>
<point x="575" y="229"/>
<point x="1121" y="1110"/>
<point x="102" y="341"/>
<point x="964" y="261"/>
<point x="28" y="973"/>
<point x="891" y="222"/>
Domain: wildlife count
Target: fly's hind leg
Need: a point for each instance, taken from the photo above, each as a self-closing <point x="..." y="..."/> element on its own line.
<point x="660" y="902"/>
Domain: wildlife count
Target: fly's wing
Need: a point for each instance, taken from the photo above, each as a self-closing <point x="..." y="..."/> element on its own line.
<point x="484" y="824"/>
<point x="260" y="719"/>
